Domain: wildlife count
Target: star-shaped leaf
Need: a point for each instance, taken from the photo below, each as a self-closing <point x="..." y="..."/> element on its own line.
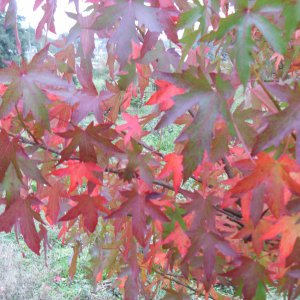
<point x="94" y="137"/>
<point x="173" y="166"/>
<point x="289" y="228"/>
<point x="13" y="154"/>
<point x="19" y="213"/>
<point x="272" y="175"/>
<point x="127" y="15"/>
<point x="251" y="277"/>
<point x="138" y="206"/>
<point x="24" y="83"/>
<point x="281" y="124"/>
<point x="87" y="206"/>
<point x="210" y="103"/>
<point x="78" y="171"/>
<point x="242" y="20"/>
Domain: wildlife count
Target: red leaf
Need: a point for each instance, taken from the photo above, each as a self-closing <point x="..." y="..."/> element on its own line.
<point x="274" y="176"/>
<point x="138" y="206"/>
<point x="99" y="136"/>
<point x="48" y="18"/>
<point x="27" y="82"/>
<point x="289" y="228"/>
<point x="173" y="166"/>
<point x="13" y="154"/>
<point x="132" y="127"/>
<point x="88" y="207"/>
<point x="248" y="275"/>
<point x="78" y="171"/>
<point x="164" y="96"/>
<point x="54" y="193"/>
<point x="180" y="239"/>
<point x="19" y="213"/>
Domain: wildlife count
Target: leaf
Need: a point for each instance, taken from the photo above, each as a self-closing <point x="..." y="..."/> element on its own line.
<point x="211" y="105"/>
<point x="48" y="18"/>
<point x="54" y="193"/>
<point x="289" y="228"/>
<point x="274" y="176"/>
<point x="138" y="206"/>
<point x="202" y="210"/>
<point x="132" y="127"/>
<point x="173" y="166"/>
<point x="243" y="54"/>
<point x="13" y="154"/>
<point x="88" y="207"/>
<point x="73" y="264"/>
<point x="243" y="20"/>
<point x="180" y="239"/>
<point x="272" y="34"/>
<point x="78" y="171"/>
<point x="278" y="126"/>
<point x="25" y="84"/>
<point x="88" y="140"/>
<point x="20" y="214"/>
<point x="209" y="243"/>
<point x="123" y="36"/>
<point x="164" y="96"/>
<point x="249" y="275"/>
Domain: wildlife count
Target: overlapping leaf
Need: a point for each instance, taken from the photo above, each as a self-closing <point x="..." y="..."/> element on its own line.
<point x="24" y="83"/>
<point x="138" y="206"/>
<point x="13" y="154"/>
<point x="274" y="176"/>
<point x="210" y="103"/>
<point x="127" y="13"/>
<point x="94" y="137"/>
<point x="281" y="124"/>
<point x="87" y="206"/>
<point x="242" y="20"/>
<point x="251" y="277"/>
<point x="78" y="171"/>
<point x="20" y="214"/>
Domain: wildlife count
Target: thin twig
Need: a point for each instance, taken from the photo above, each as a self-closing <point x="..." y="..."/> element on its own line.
<point x="25" y="126"/>
<point x="171" y="278"/>
<point x="233" y="216"/>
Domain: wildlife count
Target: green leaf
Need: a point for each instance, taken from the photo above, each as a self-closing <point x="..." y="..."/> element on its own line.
<point x="291" y="12"/>
<point x="189" y="18"/>
<point x="272" y="34"/>
<point x="225" y="26"/>
<point x="244" y="51"/>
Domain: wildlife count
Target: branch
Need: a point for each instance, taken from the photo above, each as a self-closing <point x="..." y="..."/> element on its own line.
<point x="231" y="214"/>
<point x="25" y="126"/>
<point x="171" y="278"/>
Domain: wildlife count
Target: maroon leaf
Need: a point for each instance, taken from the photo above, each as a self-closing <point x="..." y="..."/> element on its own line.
<point x="20" y="214"/>
<point x="88" y="207"/>
<point x="93" y="137"/>
<point x="138" y="206"/>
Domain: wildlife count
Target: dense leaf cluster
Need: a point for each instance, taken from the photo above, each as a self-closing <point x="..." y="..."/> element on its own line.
<point x="223" y="208"/>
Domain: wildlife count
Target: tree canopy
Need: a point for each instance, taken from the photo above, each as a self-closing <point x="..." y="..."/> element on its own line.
<point x="222" y="206"/>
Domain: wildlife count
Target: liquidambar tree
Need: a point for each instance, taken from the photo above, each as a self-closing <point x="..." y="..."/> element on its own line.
<point x="223" y="207"/>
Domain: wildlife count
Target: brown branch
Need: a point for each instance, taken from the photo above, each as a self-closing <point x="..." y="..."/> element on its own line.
<point x="227" y="167"/>
<point x="25" y="126"/>
<point x="276" y="104"/>
<point x="231" y="214"/>
<point x="172" y="279"/>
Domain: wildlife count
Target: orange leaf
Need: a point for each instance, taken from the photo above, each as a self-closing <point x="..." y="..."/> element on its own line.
<point x="173" y="165"/>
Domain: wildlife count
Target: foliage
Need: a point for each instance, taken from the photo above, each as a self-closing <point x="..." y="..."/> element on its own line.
<point x="222" y="207"/>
